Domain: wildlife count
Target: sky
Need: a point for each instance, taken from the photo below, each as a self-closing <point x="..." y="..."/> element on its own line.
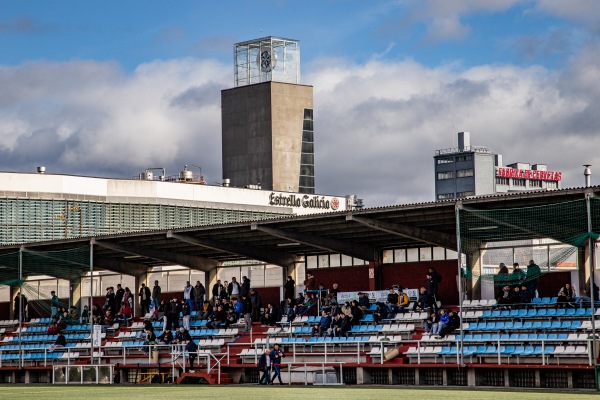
<point x="92" y="88"/>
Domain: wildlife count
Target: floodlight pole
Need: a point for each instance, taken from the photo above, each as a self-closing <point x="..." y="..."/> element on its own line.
<point x="592" y="253"/>
<point x="457" y="209"/>
<point x="20" y="305"/>
<point x="90" y="315"/>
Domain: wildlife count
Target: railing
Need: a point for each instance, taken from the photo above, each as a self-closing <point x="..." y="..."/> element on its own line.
<point x="498" y="353"/>
<point x="322" y="364"/>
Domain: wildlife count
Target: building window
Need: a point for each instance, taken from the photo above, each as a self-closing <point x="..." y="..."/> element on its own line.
<point x="445" y="175"/>
<point x="468" y="157"/>
<point x="446" y="160"/>
<point x="463" y="173"/>
<point x="307" y="158"/>
<point x="536" y="184"/>
<point x="445" y="196"/>
<point x="519" y="182"/>
<point x="502" y="181"/>
<point x="465" y="194"/>
<point x="551" y="185"/>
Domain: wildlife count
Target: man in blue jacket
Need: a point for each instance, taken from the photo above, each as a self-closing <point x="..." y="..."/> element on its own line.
<point x="323" y="325"/>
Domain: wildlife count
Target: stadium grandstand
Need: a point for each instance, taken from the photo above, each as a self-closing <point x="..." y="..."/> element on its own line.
<point x="514" y="274"/>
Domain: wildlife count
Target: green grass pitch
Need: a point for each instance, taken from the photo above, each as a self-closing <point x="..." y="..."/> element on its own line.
<point x="164" y="392"/>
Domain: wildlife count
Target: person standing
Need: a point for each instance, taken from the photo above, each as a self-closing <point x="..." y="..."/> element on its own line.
<point x="233" y="289"/>
<point x="432" y="288"/>
<point x="216" y="290"/>
<point x="264" y="366"/>
<point x="199" y="292"/>
<point x="188" y="295"/>
<point x="533" y="278"/>
<point x="289" y="288"/>
<point x="256" y="304"/>
<point x="276" y="356"/>
<point x="186" y="312"/>
<point x="309" y="282"/>
<point x="245" y="290"/>
<point x="144" y="296"/>
<point x="119" y="296"/>
<point x="517" y="275"/>
<point x="192" y="349"/>
<point x="156" y="291"/>
<point x="54" y="304"/>
<point x="247" y="311"/>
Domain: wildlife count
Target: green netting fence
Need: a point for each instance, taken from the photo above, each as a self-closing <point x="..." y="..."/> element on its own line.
<point x="547" y="234"/>
<point x="68" y="264"/>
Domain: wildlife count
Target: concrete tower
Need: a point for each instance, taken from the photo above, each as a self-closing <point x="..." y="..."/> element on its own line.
<point x="267" y="119"/>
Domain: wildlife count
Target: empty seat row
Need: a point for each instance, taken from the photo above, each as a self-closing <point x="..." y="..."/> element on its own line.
<point x="409" y="316"/>
<point x="527" y="325"/>
<point x="537" y="313"/>
<point x="78" y="328"/>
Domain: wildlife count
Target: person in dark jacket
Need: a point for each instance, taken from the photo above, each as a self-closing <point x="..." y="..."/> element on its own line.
<point x="156" y="292"/>
<point x="217" y="289"/>
<point x="256" y="304"/>
<point x="264" y="366"/>
<point x="173" y="314"/>
<point x="192" y="349"/>
<point x="432" y="289"/>
<point x="145" y="298"/>
<point x="245" y="290"/>
<point x="119" y="295"/>
<point x="199" y="292"/>
<point x="276" y="356"/>
<point x="247" y="312"/>
<point x="452" y="324"/>
<point x="289" y="288"/>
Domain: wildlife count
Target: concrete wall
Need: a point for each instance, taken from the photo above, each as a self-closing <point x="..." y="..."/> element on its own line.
<point x="262" y="134"/>
<point x="485" y="173"/>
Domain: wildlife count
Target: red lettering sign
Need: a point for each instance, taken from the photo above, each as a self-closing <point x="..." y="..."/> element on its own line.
<point x="529" y="174"/>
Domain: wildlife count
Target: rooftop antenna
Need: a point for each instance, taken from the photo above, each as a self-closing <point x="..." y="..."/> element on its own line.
<point x="588" y="175"/>
<point x="201" y="176"/>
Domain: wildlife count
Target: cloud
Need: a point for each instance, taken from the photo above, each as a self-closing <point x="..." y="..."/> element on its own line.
<point x="584" y="11"/>
<point x="23" y="24"/>
<point x="91" y="117"/>
<point x="444" y="19"/>
<point x="377" y="124"/>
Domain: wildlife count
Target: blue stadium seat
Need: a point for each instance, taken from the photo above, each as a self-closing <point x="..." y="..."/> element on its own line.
<point x="537" y="325"/>
<point x="575" y="324"/>
<point x="517" y="325"/>
<point x="514" y="313"/>
<point x="532" y="313"/>
<point x="505" y="313"/>
<point x="495" y="314"/>
<point x="522" y="313"/>
<point x="551" y="312"/>
<point x="536" y="300"/>
<point x="554" y="300"/>
<point x="529" y="351"/>
<point x="527" y="325"/>
<point x="487" y="314"/>
<point x="542" y="312"/>
<point x="561" y="312"/>
<point x="570" y="312"/>
<point x="545" y="300"/>
<point x="547" y="325"/>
